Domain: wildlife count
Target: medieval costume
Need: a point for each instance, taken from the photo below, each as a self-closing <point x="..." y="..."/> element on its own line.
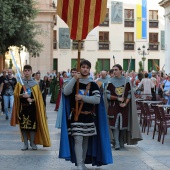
<point x="55" y="89"/>
<point x="85" y="139"/>
<point x="60" y="82"/>
<point x="123" y="120"/>
<point x="31" y="117"/>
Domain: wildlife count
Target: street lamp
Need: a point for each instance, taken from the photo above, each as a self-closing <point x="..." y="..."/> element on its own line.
<point x="143" y="53"/>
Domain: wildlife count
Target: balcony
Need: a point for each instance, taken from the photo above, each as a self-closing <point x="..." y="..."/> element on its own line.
<point x="154" y="46"/>
<point x="129" y="45"/>
<point x="104" y="45"/>
<point x="153" y="23"/>
<point x="75" y="45"/>
<point x="129" y="22"/>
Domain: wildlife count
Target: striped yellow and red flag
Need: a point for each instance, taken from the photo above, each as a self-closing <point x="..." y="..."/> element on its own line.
<point x="81" y="16"/>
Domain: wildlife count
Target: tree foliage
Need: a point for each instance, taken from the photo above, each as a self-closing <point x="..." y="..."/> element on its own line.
<point x="17" y="27"/>
<point x="140" y="67"/>
<point x="10" y="64"/>
<point x="97" y="69"/>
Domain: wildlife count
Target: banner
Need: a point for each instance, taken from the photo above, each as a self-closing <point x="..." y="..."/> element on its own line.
<point x="141" y="21"/>
<point x="81" y="16"/>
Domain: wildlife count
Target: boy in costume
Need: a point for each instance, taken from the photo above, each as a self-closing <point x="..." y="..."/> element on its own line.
<point x="29" y="112"/>
<point x="122" y="113"/>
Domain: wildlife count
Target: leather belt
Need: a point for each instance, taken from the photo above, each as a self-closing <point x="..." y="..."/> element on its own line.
<point x="25" y="104"/>
<point x="83" y="112"/>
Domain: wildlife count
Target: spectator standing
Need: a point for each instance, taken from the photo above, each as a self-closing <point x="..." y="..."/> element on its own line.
<point x="41" y="84"/>
<point x="4" y="74"/>
<point x="147" y="85"/>
<point x="165" y="86"/>
<point x="7" y="86"/>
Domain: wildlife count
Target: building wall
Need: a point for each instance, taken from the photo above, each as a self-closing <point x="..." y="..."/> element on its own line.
<point x="45" y="20"/>
<point x="116" y="38"/>
<point x="166" y="5"/>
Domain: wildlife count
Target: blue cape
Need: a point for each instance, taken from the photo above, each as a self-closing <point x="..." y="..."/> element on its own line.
<point x="99" y="147"/>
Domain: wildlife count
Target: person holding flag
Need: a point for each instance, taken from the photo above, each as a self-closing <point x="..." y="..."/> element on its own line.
<point x="84" y="137"/>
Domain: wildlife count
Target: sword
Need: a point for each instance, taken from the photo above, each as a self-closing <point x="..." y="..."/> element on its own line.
<point x="126" y="77"/>
<point x="18" y="72"/>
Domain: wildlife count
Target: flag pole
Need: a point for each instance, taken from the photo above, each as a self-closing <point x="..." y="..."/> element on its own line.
<point x="77" y="83"/>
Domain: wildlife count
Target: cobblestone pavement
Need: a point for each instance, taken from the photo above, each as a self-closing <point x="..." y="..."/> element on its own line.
<point x="147" y="155"/>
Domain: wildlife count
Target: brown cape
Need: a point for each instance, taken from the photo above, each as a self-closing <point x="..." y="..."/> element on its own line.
<point x="42" y="136"/>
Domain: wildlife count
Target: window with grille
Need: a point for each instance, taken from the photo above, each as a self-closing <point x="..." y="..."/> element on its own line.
<point x="153" y="19"/>
<point x="153" y="41"/>
<point x="129" y="41"/>
<point x="153" y="14"/>
<point x="153" y="37"/>
<point x="129" y="17"/>
<point x="103" y="40"/>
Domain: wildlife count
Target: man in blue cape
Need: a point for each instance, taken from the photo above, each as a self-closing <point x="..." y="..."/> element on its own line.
<point x="85" y="140"/>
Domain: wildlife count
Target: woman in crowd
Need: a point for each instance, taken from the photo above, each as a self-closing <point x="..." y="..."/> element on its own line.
<point x="147" y="85"/>
<point x="165" y="86"/>
<point x="61" y="81"/>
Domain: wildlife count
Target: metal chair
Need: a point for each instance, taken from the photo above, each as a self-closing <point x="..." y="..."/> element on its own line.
<point x="165" y="122"/>
<point x="149" y="116"/>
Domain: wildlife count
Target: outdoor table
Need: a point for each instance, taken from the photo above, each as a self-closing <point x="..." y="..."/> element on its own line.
<point x="165" y="106"/>
<point x="139" y="99"/>
<point x="152" y="102"/>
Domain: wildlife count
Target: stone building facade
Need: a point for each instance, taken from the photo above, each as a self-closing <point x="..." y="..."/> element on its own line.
<point x="44" y="62"/>
<point x="166" y="5"/>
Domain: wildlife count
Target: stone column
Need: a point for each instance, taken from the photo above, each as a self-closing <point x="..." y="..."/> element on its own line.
<point x="167" y="43"/>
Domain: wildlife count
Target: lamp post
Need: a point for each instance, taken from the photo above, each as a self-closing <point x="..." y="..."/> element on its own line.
<point x="143" y="53"/>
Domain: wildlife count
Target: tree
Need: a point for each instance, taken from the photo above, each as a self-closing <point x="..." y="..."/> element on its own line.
<point x="97" y="69"/>
<point x="17" y="27"/>
<point x="10" y="64"/>
<point x="140" y="67"/>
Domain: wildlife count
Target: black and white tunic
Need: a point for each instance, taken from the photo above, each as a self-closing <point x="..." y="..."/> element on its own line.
<point x="85" y="125"/>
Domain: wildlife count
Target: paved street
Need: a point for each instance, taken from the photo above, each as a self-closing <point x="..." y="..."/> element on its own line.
<point x="147" y="155"/>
